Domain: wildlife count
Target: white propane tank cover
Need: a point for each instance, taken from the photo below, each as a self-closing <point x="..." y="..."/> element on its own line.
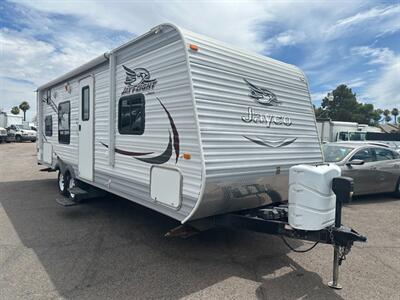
<point x="311" y="199"/>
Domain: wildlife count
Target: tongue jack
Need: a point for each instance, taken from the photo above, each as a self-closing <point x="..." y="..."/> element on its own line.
<point x="343" y="188"/>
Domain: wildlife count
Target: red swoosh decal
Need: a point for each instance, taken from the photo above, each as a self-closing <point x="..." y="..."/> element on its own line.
<point x="174" y="131"/>
<point x="128" y="153"/>
<point x="160" y="159"/>
<point x="166" y="155"/>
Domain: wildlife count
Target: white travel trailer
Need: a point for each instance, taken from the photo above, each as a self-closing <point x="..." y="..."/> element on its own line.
<point x="194" y="129"/>
<point x="180" y="123"/>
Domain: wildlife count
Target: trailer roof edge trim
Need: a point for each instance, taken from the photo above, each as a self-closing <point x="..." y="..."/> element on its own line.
<point x="105" y="56"/>
<point x="101" y="58"/>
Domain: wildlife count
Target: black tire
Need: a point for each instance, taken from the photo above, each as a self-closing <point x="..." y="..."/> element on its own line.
<point x="397" y="190"/>
<point x="72" y="182"/>
<point x="18" y="139"/>
<point x="62" y="183"/>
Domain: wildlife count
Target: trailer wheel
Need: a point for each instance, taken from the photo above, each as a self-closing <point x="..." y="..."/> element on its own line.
<point x="72" y="183"/>
<point x="397" y="191"/>
<point x="63" y="183"/>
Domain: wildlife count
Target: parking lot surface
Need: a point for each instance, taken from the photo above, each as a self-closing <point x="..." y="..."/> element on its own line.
<point x="111" y="248"/>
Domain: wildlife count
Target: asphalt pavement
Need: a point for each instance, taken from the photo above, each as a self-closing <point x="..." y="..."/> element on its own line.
<point x="111" y="248"/>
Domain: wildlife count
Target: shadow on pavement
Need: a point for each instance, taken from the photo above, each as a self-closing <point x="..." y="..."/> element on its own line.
<point x="113" y="248"/>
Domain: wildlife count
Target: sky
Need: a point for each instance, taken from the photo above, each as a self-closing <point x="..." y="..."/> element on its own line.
<point x="335" y="42"/>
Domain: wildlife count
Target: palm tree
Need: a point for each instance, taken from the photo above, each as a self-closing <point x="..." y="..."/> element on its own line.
<point x="24" y="106"/>
<point x="15" y="110"/>
<point x="377" y="116"/>
<point x="387" y="117"/>
<point x="395" y="113"/>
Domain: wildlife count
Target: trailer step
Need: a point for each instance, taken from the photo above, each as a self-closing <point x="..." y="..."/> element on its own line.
<point x="64" y="201"/>
<point x="78" y="191"/>
<point x="47" y="170"/>
<point x="85" y="193"/>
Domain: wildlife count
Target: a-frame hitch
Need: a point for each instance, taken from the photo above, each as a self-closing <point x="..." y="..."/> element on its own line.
<point x="274" y="220"/>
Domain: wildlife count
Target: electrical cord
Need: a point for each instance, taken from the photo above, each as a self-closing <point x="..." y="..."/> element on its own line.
<point x="298" y="251"/>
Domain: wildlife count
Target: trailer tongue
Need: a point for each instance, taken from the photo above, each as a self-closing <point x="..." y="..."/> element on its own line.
<point x="273" y="219"/>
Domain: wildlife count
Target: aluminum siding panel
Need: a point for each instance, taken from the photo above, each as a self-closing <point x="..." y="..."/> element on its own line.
<point x="67" y="152"/>
<point x="165" y="59"/>
<point x="222" y="99"/>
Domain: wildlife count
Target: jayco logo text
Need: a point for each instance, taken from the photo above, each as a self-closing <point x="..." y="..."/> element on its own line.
<point x="267" y="119"/>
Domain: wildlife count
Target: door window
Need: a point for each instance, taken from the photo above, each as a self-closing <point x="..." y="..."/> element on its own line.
<point x="364" y="154"/>
<point x="85" y="103"/>
<point x="383" y="154"/>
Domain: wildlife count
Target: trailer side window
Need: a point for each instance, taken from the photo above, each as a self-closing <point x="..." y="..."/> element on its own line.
<point x="85" y="103"/>
<point x="48" y="126"/>
<point x="131" y="114"/>
<point x="64" y="120"/>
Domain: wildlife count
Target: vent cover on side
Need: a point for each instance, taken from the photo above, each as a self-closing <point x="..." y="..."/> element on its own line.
<point x="166" y="186"/>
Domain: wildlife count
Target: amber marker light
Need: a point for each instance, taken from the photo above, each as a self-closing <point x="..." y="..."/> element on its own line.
<point x="193" y="47"/>
<point x="187" y="156"/>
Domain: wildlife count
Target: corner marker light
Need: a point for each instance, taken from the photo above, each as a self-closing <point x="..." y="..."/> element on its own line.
<point x="193" y="47"/>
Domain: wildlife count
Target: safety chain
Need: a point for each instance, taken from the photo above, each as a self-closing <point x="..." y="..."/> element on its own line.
<point x="330" y="230"/>
<point x="343" y="250"/>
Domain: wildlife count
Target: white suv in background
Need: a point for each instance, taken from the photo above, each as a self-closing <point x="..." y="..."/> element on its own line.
<point x="23" y="133"/>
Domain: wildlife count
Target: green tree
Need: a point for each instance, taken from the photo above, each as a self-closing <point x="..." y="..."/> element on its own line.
<point x="395" y="113"/>
<point x="377" y="116"/>
<point x="343" y="104"/>
<point x="345" y="107"/>
<point x="24" y="106"/>
<point x="15" y="110"/>
<point x="319" y="112"/>
<point x="386" y="115"/>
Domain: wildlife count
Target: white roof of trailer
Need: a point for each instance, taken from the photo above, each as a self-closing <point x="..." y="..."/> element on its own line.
<point x="105" y="56"/>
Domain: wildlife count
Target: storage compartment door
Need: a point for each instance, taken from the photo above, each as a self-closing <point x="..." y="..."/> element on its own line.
<point x="48" y="153"/>
<point x="166" y="186"/>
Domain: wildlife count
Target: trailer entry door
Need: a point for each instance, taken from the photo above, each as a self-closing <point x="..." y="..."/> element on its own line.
<point x="85" y="127"/>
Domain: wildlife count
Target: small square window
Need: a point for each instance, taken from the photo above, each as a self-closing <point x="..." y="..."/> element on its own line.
<point x="48" y="126"/>
<point x="131" y="114"/>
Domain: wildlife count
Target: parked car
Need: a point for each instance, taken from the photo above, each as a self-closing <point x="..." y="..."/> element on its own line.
<point x="3" y="135"/>
<point x="374" y="168"/>
<point x="23" y="133"/>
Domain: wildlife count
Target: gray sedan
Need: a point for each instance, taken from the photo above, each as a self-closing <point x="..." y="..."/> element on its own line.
<point x="375" y="169"/>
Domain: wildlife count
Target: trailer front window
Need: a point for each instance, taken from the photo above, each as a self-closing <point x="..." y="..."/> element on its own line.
<point x="64" y="120"/>
<point x="131" y="114"/>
